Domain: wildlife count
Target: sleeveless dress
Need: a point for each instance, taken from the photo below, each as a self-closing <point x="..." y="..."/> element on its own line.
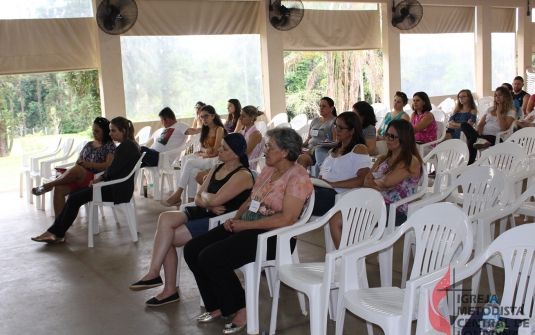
<point x="429" y="133"/>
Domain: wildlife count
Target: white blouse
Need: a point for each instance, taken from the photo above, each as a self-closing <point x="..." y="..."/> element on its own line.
<point x="344" y="167"/>
<point x="492" y="126"/>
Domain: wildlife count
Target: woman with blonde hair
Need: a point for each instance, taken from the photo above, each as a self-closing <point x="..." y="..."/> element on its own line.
<point x="497" y="118"/>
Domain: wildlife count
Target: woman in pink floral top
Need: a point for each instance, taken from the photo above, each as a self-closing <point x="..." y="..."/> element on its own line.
<point x="280" y="195"/>
<point x="423" y="121"/>
<point x="396" y="173"/>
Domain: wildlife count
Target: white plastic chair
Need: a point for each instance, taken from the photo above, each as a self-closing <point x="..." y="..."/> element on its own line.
<point x="440" y="230"/>
<point x="299" y="121"/>
<point x="277" y="119"/>
<point x="502" y="136"/>
<point x="37" y="167"/>
<point x="27" y="165"/>
<point x="283" y="125"/>
<point x="364" y="220"/>
<point x="488" y="100"/>
<point x="515" y="249"/>
<point x="483" y="188"/>
<point x="447" y="106"/>
<point x="262" y="127"/>
<point x="303" y="132"/>
<point x="446" y="157"/>
<point x="380" y="109"/>
<point x="525" y="137"/>
<point x="129" y="208"/>
<point x="143" y="135"/>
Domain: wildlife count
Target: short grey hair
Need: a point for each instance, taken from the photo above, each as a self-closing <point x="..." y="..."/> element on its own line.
<point x="287" y="139"/>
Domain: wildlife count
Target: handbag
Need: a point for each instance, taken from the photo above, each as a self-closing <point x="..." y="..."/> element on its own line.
<point x="195" y="212"/>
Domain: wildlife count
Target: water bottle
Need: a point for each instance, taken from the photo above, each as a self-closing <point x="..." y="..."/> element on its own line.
<point x="151" y="190"/>
<point x="491" y="315"/>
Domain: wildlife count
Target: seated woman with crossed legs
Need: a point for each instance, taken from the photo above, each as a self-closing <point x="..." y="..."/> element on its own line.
<point x="227" y="186"/>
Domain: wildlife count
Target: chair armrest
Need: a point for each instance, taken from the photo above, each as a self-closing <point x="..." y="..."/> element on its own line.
<point x="216" y="221"/>
<point x="163" y="157"/>
<point x="26" y="156"/>
<point x="426" y="201"/>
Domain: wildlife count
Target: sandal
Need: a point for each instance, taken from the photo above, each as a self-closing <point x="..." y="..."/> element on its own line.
<point x="40" y="190"/>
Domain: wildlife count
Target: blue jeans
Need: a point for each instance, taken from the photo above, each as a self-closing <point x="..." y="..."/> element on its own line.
<point x="400" y="216"/>
<point x="324" y="200"/>
<point x="151" y="157"/>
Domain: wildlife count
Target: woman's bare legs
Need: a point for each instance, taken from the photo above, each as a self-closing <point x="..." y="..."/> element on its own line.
<point x="77" y="173"/>
<point x="335" y="225"/>
<point x="240" y="318"/>
<point x="60" y="192"/>
<point x="176" y="198"/>
<point x="171" y="233"/>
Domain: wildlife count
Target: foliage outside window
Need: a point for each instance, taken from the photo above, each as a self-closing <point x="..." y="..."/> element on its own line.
<point x="345" y="76"/>
<point x="438" y="64"/>
<point x="45" y="9"/>
<point x="503" y="58"/>
<point x="178" y="71"/>
<point x="50" y="103"/>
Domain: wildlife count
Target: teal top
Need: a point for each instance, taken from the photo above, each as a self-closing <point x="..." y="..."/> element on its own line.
<point x="387" y="120"/>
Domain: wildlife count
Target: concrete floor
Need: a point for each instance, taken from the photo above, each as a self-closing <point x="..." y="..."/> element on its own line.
<point x="72" y="289"/>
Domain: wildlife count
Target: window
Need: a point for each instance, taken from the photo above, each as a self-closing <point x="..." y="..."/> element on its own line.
<point x="45" y="9"/>
<point x="503" y="58"/>
<point x="437" y="65"/>
<point x="178" y="71"/>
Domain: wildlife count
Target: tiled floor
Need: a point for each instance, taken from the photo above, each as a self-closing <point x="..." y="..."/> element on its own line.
<point x="72" y="289"/>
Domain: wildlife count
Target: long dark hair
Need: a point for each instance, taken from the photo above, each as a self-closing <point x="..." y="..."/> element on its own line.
<point x="104" y="124"/>
<point x="407" y="143"/>
<point x="425" y="98"/>
<point x="352" y="122"/>
<point x="366" y="111"/>
<point x="233" y="119"/>
<point x="330" y="102"/>
<point x="217" y="120"/>
<point x="124" y="125"/>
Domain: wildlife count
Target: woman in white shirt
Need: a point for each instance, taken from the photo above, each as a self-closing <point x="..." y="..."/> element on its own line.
<point x="497" y="118"/>
<point x="344" y="168"/>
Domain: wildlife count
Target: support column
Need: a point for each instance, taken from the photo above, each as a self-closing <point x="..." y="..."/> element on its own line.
<point x="391" y="56"/>
<point x="272" y="64"/>
<point x="483" y="54"/>
<point x="523" y="42"/>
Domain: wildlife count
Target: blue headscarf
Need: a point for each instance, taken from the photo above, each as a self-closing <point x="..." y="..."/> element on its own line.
<point x="238" y="145"/>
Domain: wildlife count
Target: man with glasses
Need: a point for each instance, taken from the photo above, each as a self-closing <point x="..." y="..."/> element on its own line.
<point x="173" y="136"/>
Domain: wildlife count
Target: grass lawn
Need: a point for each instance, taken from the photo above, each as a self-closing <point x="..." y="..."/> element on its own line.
<point x="10" y="166"/>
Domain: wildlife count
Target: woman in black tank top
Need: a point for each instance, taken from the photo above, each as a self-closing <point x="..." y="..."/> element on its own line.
<point x="226" y="188"/>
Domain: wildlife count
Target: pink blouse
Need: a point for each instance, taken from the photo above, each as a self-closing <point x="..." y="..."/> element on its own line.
<point x="429" y="133"/>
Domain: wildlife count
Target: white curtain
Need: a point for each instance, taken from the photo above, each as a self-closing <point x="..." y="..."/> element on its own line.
<point x="445" y="19"/>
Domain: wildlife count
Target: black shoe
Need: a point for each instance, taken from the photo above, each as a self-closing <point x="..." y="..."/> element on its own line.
<point x="155" y="302"/>
<point x="146" y="284"/>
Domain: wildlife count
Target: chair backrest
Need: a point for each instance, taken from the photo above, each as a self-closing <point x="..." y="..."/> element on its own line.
<point x="447" y="105"/>
<point x="440" y="116"/>
<point x="283" y="125"/>
<point x="278" y="119"/>
<point x="517" y="248"/>
<point x="299" y="121"/>
<point x="305" y="216"/>
<point x="489" y="101"/>
<point x="67" y="147"/>
<point x="508" y="157"/>
<point x="446" y="156"/>
<point x="525" y="138"/>
<point x="481" y="110"/>
<point x="157" y="133"/>
<point x="363" y="215"/>
<point x="483" y="187"/>
<point x="379" y="109"/>
<point x="143" y="135"/>
<point x="303" y="131"/>
<point x="440" y="230"/>
<point x="262" y="127"/>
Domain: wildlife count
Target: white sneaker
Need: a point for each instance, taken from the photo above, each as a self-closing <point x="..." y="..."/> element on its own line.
<point x="481" y="143"/>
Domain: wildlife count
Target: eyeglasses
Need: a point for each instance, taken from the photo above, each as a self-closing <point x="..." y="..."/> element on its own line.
<point x="336" y="127"/>
<point x="205" y="116"/>
<point x="390" y="137"/>
<point x="462" y="96"/>
<point x="268" y="147"/>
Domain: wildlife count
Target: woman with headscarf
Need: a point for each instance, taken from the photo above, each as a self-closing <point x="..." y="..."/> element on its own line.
<point x="226" y="187"/>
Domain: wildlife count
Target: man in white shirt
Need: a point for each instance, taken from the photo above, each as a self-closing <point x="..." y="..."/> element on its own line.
<point x="173" y="136"/>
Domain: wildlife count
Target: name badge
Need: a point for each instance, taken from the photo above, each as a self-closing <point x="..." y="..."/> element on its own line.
<point x="326" y="169"/>
<point x="314" y="132"/>
<point x="254" y="206"/>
